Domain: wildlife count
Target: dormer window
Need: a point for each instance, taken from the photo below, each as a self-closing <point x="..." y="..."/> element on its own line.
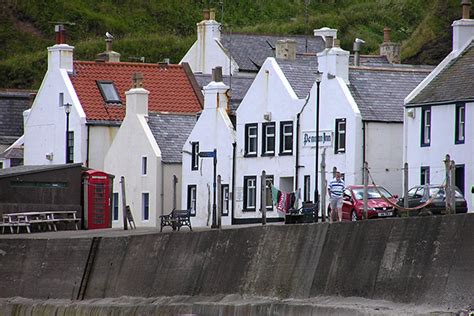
<point x="109" y="91"/>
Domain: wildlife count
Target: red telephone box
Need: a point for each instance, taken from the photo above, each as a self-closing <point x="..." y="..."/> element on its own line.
<point x="97" y="200"/>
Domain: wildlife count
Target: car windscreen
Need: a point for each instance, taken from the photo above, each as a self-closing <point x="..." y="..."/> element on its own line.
<point x="372" y="193"/>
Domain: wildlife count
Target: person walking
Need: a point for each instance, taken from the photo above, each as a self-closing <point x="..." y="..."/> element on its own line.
<point x="336" y="189"/>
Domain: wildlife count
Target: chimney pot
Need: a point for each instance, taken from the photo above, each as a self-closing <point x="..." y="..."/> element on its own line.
<point x="137" y="79"/>
<point x="466" y="8"/>
<point x="108" y="44"/>
<point x="212" y="14"/>
<point x="205" y="14"/>
<point x="386" y="34"/>
<point x="329" y="41"/>
<point x="336" y="42"/>
<point x="60" y="33"/>
<point x="217" y="74"/>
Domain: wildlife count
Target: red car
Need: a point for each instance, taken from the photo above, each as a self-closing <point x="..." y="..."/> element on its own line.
<point x="377" y="207"/>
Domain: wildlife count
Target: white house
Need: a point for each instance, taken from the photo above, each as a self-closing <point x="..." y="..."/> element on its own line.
<point x="213" y="130"/>
<point x="95" y="94"/>
<point x="147" y="152"/>
<point x="361" y="119"/>
<point x="439" y="115"/>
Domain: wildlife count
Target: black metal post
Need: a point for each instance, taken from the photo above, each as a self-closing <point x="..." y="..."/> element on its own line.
<point x="67" y="137"/>
<point x="214" y="211"/>
<point x="316" y="193"/>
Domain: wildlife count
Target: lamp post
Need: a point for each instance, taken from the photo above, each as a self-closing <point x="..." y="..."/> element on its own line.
<point x="318" y="77"/>
<point x="67" y="109"/>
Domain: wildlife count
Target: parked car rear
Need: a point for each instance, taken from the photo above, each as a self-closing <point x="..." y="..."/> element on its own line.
<point x="420" y="194"/>
<point x="353" y="206"/>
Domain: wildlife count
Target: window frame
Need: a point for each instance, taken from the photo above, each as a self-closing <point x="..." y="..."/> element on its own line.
<point x="189" y="201"/>
<point x="145" y="206"/>
<point x="268" y="193"/>
<point x="425" y="128"/>
<point x="225" y="199"/>
<point x="265" y="138"/>
<point x="195" y="156"/>
<point x="103" y="93"/>
<point x="339" y="145"/>
<point x="115" y="206"/>
<point x="460" y="125"/>
<point x="283" y="150"/>
<point x="424" y="175"/>
<point x="70" y="149"/>
<point x="246" y="207"/>
<point x="247" y="152"/>
<point x="144" y="165"/>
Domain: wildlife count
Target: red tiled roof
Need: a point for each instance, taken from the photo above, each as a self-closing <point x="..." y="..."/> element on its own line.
<point x="170" y="88"/>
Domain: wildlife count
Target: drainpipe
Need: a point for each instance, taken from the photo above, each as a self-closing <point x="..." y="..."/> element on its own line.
<point x="297" y="151"/>
<point x="234" y="144"/>
<point x="87" y="145"/>
<point x="162" y="187"/>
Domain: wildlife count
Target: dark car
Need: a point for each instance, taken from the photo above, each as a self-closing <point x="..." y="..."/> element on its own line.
<point x="420" y="194"/>
<point x="377" y="207"/>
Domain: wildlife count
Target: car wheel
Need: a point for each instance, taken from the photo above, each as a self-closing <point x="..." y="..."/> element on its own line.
<point x="354" y="216"/>
<point x="425" y="212"/>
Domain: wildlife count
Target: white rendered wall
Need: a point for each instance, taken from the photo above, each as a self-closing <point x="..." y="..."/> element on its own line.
<point x="384" y="154"/>
<point x="101" y="138"/>
<point x="442" y="143"/>
<point x="133" y="141"/>
<point x="45" y="128"/>
<point x="207" y="52"/>
<point x="336" y="102"/>
<point x="212" y="130"/>
<point x="270" y="92"/>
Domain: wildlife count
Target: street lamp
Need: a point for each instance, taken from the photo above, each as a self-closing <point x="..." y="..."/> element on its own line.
<point x="67" y="109"/>
<point x="318" y="77"/>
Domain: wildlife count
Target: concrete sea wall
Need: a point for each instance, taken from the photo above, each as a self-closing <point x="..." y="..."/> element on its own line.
<point x="421" y="261"/>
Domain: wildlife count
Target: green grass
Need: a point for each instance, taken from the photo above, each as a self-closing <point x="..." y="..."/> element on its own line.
<point x="157" y="29"/>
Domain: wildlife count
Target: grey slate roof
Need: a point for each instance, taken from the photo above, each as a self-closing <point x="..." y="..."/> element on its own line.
<point x="300" y="74"/>
<point x="12" y="105"/>
<point x="12" y="153"/>
<point x="453" y="84"/>
<point x="370" y="60"/>
<point x="380" y="92"/>
<point x="250" y="51"/>
<point x="171" y="132"/>
<point x="240" y="85"/>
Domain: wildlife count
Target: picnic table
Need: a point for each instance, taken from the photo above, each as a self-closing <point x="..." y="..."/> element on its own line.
<point x="42" y="220"/>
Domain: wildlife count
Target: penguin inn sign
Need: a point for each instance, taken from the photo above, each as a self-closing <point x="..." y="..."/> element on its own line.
<point x="325" y="139"/>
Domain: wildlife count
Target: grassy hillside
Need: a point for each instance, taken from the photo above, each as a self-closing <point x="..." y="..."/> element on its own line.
<point x="157" y="29"/>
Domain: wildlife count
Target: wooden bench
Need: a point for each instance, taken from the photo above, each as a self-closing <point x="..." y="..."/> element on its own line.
<point x="176" y="219"/>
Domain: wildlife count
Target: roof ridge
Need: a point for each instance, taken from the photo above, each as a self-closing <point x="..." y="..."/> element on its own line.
<point x="126" y="63"/>
<point x="401" y="69"/>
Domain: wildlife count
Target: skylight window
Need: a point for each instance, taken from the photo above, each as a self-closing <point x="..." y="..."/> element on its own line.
<point x="109" y="92"/>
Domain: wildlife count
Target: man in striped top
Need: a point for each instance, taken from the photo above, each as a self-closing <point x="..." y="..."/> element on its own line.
<point x="336" y="189"/>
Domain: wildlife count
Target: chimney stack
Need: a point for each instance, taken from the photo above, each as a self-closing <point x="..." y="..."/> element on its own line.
<point x="137" y="97"/>
<point x="217" y="74"/>
<point x="463" y="29"/>
<point x="329" y="41"/>
<point x="466" y="8"/>
<point x="109" y="54"/>
<point x="60" y="55"/>
<point x="286" y="49"/>
<point x="390" y="49"/>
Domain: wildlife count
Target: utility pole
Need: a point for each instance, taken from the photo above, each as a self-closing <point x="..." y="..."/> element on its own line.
<point x="405" y="185"/>
<point x="124" y="203"/>
<point x="447" y="190"/>
<point x="453" y="186"/>
<point x="366" y="184"/>
<point x="263" y="194"/>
